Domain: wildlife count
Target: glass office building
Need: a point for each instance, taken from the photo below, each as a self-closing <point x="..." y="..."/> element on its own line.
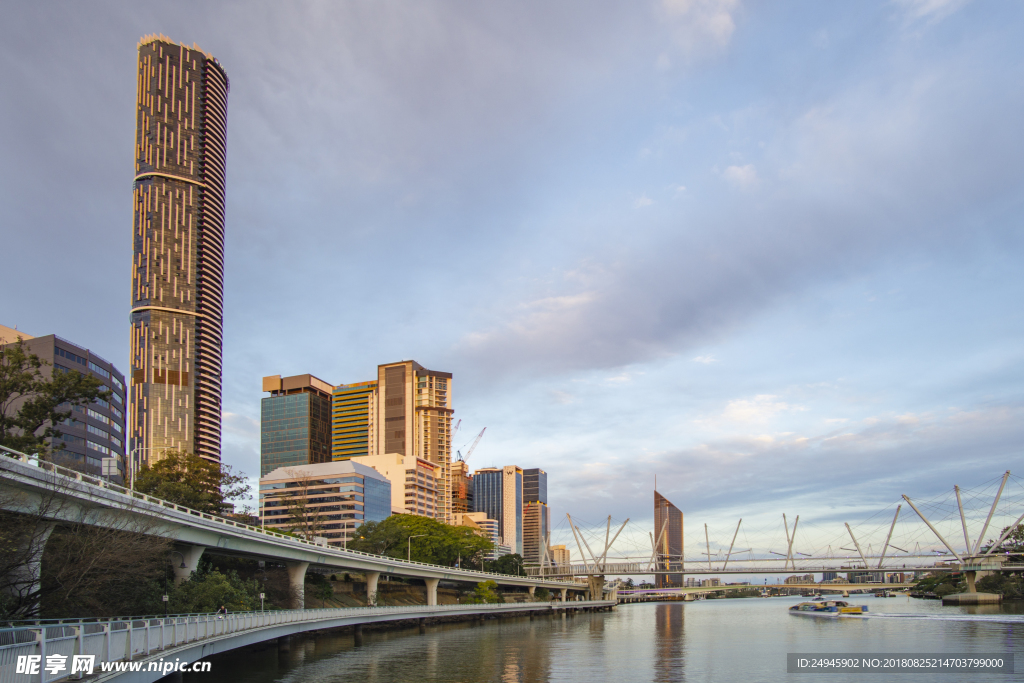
<point x="295" y="422"/>
<point x="498" y="492"/>
<point x="535" y="486"/>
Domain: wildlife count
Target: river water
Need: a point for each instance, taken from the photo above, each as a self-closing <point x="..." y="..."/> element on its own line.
<point x="733" y="640"/>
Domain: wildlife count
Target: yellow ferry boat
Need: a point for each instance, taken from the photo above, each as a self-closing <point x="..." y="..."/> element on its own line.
<point x="832" y="609"/>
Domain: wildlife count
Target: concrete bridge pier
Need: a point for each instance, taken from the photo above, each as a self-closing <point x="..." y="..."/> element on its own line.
<point x="190" y="555"/>
<point x="565" y="593"/>
<point x="532" y="590"/>
<point x="371" y="587"/>
<point x="297" y="581"/>
<point x="431" y="590"/>
<point x="971" y="577"/>
<point x="595" y="586"/>
<point x="24" y="580"/>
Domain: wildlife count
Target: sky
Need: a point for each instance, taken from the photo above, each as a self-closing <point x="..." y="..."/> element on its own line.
<point x="768" y="252"/>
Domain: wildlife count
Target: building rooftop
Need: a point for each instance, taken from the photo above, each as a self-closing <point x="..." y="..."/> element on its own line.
<point x="324" y="469"/>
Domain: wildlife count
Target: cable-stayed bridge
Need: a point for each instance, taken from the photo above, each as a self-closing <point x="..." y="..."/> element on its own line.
<point x="921" y="541"/>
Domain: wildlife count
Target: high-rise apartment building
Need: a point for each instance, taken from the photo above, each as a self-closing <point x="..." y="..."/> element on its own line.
<point x="93" y="433"/>
<point x="352" y="419"/>
<point x="178" y="263"/>
<point x="535" y="486"/>
<point x="498" y="492"/>
<point x="295" y="422"/>
<point x="536" y="523"/>
<point x="413" y="414"/>
<point x="668" y="530"/>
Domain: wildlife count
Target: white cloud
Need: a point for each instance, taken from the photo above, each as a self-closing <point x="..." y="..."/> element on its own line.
<point x="701" y="26"/>
<point x="706" y="360"/>
<point x="741" y="176"/>
<point x="930" y="10"/>
<point x="643" y="201"/>
<point x="562" y="397"/>
<point x="759" y="409"/>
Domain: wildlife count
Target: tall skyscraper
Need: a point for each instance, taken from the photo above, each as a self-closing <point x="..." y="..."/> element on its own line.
<point x="668" y="530"/>
<point x="295" y="422"/>
<point x="178" y="264"/>
<point x="413" y="415"/>
<point x="499" y="493"/>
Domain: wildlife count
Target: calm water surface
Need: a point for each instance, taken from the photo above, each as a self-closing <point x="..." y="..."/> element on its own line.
<point x="716" y="640"/>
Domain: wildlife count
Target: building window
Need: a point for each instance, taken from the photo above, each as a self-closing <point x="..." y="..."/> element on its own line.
<point x="98" y="370"/>
<point x="70" y="356"/>
<point x="97" y="447"/>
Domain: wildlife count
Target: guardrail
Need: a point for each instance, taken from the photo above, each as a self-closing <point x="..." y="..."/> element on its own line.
<point x="96" y="481"/>
<point x="122" y="639"/>
<point x="634" y="568"/>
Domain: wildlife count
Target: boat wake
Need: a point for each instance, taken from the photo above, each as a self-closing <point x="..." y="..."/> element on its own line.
<point x="985" y="618"/>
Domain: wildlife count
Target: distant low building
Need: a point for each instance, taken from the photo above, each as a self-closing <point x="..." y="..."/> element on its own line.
<point x="328" y="500"/>
<point x="487" y="527"/>
<point x="560" y="555"/>
<point x="803" y="578"/>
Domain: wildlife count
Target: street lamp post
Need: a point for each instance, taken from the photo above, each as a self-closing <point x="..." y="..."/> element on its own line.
<point x="131" y="465"/>
<point x="409" y="555"/>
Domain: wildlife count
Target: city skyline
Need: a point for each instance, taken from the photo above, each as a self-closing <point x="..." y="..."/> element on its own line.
<point x="643" y="270"/>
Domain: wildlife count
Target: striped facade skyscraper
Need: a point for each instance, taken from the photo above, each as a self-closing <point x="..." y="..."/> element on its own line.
<point x="178" y="262"/>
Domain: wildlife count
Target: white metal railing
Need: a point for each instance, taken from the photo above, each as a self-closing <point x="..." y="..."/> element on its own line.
<point x="129" y="638"/>
<point x="95" y="481"/>
<point x="634" y="568"/>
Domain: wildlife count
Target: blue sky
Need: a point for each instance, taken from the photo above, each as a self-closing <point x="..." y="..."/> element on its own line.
<point x="767" y="251"/>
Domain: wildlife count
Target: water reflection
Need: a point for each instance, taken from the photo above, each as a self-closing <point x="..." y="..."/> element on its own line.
<point x="727" y="641"/>
<point x="669" y="663"/>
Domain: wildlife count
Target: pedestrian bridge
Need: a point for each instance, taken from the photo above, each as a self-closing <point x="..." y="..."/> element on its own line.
<point x="145" y="649"/>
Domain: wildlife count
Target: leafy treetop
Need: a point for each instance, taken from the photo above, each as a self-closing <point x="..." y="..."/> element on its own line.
<point x="32" y="405"/>
<point x="189" y="480"/>
<point x="435" y="542"/>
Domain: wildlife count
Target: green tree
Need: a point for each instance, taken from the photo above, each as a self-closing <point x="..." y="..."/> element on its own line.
<point x="207" y="589"/>
<point x="186" y="479"/>
<point x="507" y="564"/>
<point x="542" y="593"/>
<point x="323" y="592"/>
<point x="434" y="542"/>
<point x="32" y="406"/>
<point x="485" y="592"/>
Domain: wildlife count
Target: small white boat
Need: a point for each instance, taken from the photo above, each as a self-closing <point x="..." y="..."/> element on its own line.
<point x="829" y="609"/>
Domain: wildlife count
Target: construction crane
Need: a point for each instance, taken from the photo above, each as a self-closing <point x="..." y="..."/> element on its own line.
<point x="471" y="448"/>
<point x="455" y="429"/>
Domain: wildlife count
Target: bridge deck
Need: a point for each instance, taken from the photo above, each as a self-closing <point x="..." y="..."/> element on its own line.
<point x="189" y="638"/>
